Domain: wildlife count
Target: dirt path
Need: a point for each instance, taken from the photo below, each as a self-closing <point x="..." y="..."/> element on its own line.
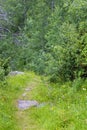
<point x="24" y="121"/>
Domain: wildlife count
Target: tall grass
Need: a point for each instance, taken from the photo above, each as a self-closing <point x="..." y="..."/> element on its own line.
<point x="62" y="107"/>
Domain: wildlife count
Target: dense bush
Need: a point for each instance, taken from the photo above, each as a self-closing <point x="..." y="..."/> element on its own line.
<point x="4" y="68"/>
<point x="52" y="37"/>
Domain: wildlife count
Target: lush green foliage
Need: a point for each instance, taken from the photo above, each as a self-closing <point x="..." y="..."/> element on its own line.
<point x="4" y="69"/>
<point x="49" y="37"/>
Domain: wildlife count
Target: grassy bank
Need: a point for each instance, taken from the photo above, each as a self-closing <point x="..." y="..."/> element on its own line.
<point x="62" y="106"/>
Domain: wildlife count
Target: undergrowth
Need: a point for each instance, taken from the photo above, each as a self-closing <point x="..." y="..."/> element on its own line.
<point x="62" y="106"/>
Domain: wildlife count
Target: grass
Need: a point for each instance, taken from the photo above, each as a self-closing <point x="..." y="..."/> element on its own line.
<point x="63" y="106"/>
<point x="8" y="96"/>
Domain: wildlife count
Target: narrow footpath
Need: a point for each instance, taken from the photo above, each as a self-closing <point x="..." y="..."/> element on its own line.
<point x="26" y="103"/>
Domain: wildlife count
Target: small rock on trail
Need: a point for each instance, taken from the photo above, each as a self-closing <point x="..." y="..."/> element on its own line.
<point x="24" y="94"/>
<point x="28" y="89"/>
<point x="13" y="73"/>
<point x="26" y="104"/>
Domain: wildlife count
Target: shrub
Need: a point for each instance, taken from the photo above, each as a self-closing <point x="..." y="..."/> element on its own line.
<point x="4" y="68"/>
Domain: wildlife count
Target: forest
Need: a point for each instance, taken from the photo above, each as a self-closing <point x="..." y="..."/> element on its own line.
<point x="46" y="39"/>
